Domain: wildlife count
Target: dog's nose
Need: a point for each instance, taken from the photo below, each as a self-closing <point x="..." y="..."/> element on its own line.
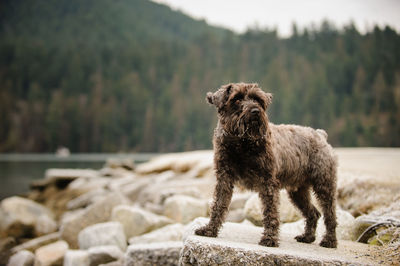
<point x="255" y="111"/>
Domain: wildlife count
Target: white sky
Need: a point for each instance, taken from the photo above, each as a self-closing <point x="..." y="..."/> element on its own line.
<point x="238" y="15"/>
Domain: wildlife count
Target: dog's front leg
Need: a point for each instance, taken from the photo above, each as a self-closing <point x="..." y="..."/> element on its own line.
<point x="270" y="201"/>
<point x="222" y="198"/>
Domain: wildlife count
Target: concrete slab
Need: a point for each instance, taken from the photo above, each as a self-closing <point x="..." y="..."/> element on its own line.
<point x="237" y="245"/>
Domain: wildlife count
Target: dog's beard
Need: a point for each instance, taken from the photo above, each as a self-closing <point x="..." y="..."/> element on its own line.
<point x="248" y="126"/>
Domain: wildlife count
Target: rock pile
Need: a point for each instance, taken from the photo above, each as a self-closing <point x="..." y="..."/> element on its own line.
<point x="122" y="215"/>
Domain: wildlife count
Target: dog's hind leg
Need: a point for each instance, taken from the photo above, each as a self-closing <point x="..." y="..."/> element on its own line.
<point x="325" y="193"/>
<point x="301" y="199"/>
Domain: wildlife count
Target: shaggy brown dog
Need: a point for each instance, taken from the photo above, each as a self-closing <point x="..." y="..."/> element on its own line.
<point x="261" y="156"/>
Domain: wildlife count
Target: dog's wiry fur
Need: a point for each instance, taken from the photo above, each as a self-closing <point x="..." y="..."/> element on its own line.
<point x="263" y="157"/>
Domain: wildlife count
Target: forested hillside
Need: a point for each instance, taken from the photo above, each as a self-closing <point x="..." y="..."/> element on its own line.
<point x="131" y="75"/>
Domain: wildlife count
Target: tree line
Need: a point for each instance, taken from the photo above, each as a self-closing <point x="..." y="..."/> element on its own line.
<point x="101" y="77"/>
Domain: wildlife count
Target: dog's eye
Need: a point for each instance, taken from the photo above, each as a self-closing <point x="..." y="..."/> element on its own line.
<point x="237" y="98"/>
<point x="259" y="101"/>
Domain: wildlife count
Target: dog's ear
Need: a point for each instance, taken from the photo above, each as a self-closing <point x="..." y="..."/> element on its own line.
<point x="219" y="97"/>
<point x="209" y="97"/>
<point x="268" y="97"/>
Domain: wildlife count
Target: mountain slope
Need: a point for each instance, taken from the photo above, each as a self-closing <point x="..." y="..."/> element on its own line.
<point x="107" y="76"/>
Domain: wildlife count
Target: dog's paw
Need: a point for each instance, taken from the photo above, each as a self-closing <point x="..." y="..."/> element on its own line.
<point x="328" y="242"/>
<point x="206" y="231"/>
<point x="269" y="242"/>
<point x="305" y="238"/>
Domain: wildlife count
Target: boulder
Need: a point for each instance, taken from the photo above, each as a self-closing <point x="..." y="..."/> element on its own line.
<point x="376" y="225"/>
<point x="124" y="163"/>
<point x="287" y="211"/>
<point x="89" y="183"/>
<point x="58" y="173"/>
<point x="52" y="254"/>
<point x="185" y="191"/>
<point x="120" y="262"/>
<point x="132" y="190"/>
<point x="70" y="215"/>
<point x="192" y="226"/>
<point x="76" y="257"/>
<point x="22" y="258"/>
<point x="162" y="253"/>
<point x="6" y="244"/>
<point x="96" y="213"/>
<point x="104" y="254"/>
<point x="118" y="183"/>
<point x="171" y="232"/>
<point x="344" y="231"/>
<point x="184" y="209"/>
<point x="367" y="179"/>
<point x="45" y="225"/>
<point x="239" y="200"/>
<point x="161" y="188"/>
<point x="137" y="221"/>
<point x="63" y="177"/>
<point x="177" y="162"/>
<point x="33" y="244"/>
<point x="86" y="199"/>
<point x="237" y="245"/>
<point x="102" y="234"/>
<point x="21" y="217"/>
<point x="235" y="216"/>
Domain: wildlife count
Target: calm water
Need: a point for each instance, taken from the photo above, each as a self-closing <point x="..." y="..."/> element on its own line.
<point x="17" y="171"/>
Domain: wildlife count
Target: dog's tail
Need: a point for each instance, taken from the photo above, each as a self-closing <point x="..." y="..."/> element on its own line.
<point x="322" y="133"/>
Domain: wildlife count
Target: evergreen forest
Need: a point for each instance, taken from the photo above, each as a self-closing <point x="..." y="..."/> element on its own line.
<point x="131" y="76"/>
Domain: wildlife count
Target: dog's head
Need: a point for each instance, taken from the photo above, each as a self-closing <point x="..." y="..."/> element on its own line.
<point x="242" y="109"/>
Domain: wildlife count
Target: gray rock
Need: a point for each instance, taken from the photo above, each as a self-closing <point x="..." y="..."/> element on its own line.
<point x="45" y="225"/>
<point x="186" y="191"/>
<point x="171" y="232"/>
<point x="76" y="257"/>
<point x="70" y="215"/>
<point x="86" y="199"/>
<point x="178" y="162"/>
<point x="125" y="163"/>
<point x="237" y="245"/>
<point x="20" y="217"/>
<point x="133" y="190"/>
<point x="344" y="231"/>
<point x="239" y="200"/>
<point x="184" y="209"/>
<point x="52" y="254"/>
<point x="235" y="216"/>
<point x="104" y="254"/>
<point x="36" y="243"/>
<point x="287" y="211"/>
<point x="367" y="226"/>
<point x="58" y="173"/>
<point x="89" y="183"/>
<point x="191" y="227"/>
<point x="6" y="244"/>
<point x="168" y="183"/>
<point x="125" y="179"/>
<point x="102" y="234"/>
<point x="22" y="258"/>
<point x="120" y="262"/>
<point x="367" y="179"/>
<point x="137" y="221"/>
<point x="162" y="253"/>
<point x="63" y="177"/>
<point x="96" y="213"/>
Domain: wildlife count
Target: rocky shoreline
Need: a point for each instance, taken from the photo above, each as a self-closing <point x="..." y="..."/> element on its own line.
<point x="124" y="214"/>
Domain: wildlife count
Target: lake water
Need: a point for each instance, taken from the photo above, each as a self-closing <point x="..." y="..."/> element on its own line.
<point x="17" y="171"/>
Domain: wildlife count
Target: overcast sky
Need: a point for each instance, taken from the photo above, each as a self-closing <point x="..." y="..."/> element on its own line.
<point x="238" y="15"/>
